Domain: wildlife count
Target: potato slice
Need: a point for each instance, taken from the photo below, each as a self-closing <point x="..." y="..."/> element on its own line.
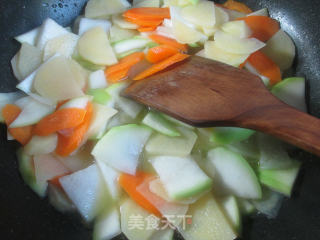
<point x="64" y="45"/>
<point x="55" y="80"/>
<point x="202" y="14"/>
<point x="237" y="29"/>
<point x="94" y="47"/>
<point x="29" y="59"/>
<point x="236" y="45"/>
<point x="121" y="22"/>
<point x="101" y="8"/>
<point x="215" y="53"/>
<point x="118" y="33"/>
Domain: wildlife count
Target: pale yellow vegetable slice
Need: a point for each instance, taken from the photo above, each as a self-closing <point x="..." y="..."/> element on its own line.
<point x="56" y="81"/>
<point x="236" y="45"/>
<point x="146" y="3"/>
<point x="237" y="28"/>
<point x="118" y="34"/>
<point x="184" y="33"/>
<point x="201" y="15"/>
<point x="119" y="21"/>
<point x="29" y="59"/>
<point x="208" y="221"/>
<point x="94" y="47"/>
<point x="215" y="53"/>
<point x="101" y="8"/>
<point x="63" y="45"/>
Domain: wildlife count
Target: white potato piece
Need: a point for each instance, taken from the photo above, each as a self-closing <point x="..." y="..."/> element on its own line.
<point x="212" y="51"/>
<point x="86" y="24"/>
<point x="15" y="71"/>
<point x="102" y="8"/>
<point x="237" y="28"/>
<point x="29" y="59"/>
<point x="281" y="49"/>
<point x="29" y="37"/>
<point x="118" y="20"/>
<point x="41" y="145"/>
<point x="261" y="12"/>
<point x="63" y="45"/>
<point x="94" y="47"/>
<point x="201" y="15"/>
<point x="221" y="16"/>
<point x="49" y="30"/>
<point x="118" y="34"/>
<point x="56" y="81"/>
<point x="236" y="45"/>
<point x="146" y="3"/>
<point x="185" y="34"/>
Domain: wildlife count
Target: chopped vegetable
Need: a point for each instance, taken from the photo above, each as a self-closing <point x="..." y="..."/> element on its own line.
<point x="59" y="120"/>
<point x="237" y="6"/>
<point x="159" y="53"/>
<point x="168" y="41"/>
<point x="120" y="70"/>
<point x="22" y="134"/>
<point x="263" y="28"/>
<point x="68" y="144"/>
<point x="265" y="66"/>
<point x="178" y="57"/>
<point x="130" y="183"/>
<point x="147" y="13"/>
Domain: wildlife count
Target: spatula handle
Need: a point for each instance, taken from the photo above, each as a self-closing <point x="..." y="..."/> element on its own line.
<point x="286" y="123"/>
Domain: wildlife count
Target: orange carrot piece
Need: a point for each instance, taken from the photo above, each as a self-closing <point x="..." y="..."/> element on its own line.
<point x="265" y="66"/>
<point x="22" y="134"/>
<point x="130" y="183"/>
<point x="144" y="23"/>
<point x="161" y="52"/>
<point x="146" y="29"/>
<point x="10" y="112"/>
<point x="68" y="144"/>
<point x="237" y="6"/>
<point x="168" y="41"/>
<point x="125" y="63"/>
<point x="118" y="76"/>
<point x="161" y="65"/>
<point x="60" y="119"/>
<point x="147" y="13"/>
<point x="263" y="28"/>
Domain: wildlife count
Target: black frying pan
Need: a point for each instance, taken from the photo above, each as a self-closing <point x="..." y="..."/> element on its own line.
<point x="24" y="216"/>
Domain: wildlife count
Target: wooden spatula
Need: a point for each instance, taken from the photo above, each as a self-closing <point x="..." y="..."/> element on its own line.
<point x="206" y="93"/>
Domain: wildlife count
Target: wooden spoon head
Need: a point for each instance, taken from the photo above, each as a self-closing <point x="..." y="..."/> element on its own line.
<point x="201" y="92"/>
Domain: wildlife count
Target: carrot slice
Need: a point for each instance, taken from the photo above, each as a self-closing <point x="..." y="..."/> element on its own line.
<point x="146" y="29"/>
<point x="161" y="65"/>
<point x="130" y="183"/>
<point x="159" y="53"/>
<point x="60" y="119"/>
<point x="144" y="23"/>
<point x="147" y="13"/>
<point x="118" y="76"/>
<point x="22" y="134"/>
<point x="237" y="6"/>
<point x="119" y="71"/>
<point x="125" y="63"/>
<point x="263" y="28"/>
<point x="10" y="112"/>
<point x="265" y="66"/>
<point x="68" y="144"/>
<point x="168" y="41"/>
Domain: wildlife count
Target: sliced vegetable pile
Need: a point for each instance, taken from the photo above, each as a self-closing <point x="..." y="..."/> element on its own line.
<point x="124" y="166"/>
